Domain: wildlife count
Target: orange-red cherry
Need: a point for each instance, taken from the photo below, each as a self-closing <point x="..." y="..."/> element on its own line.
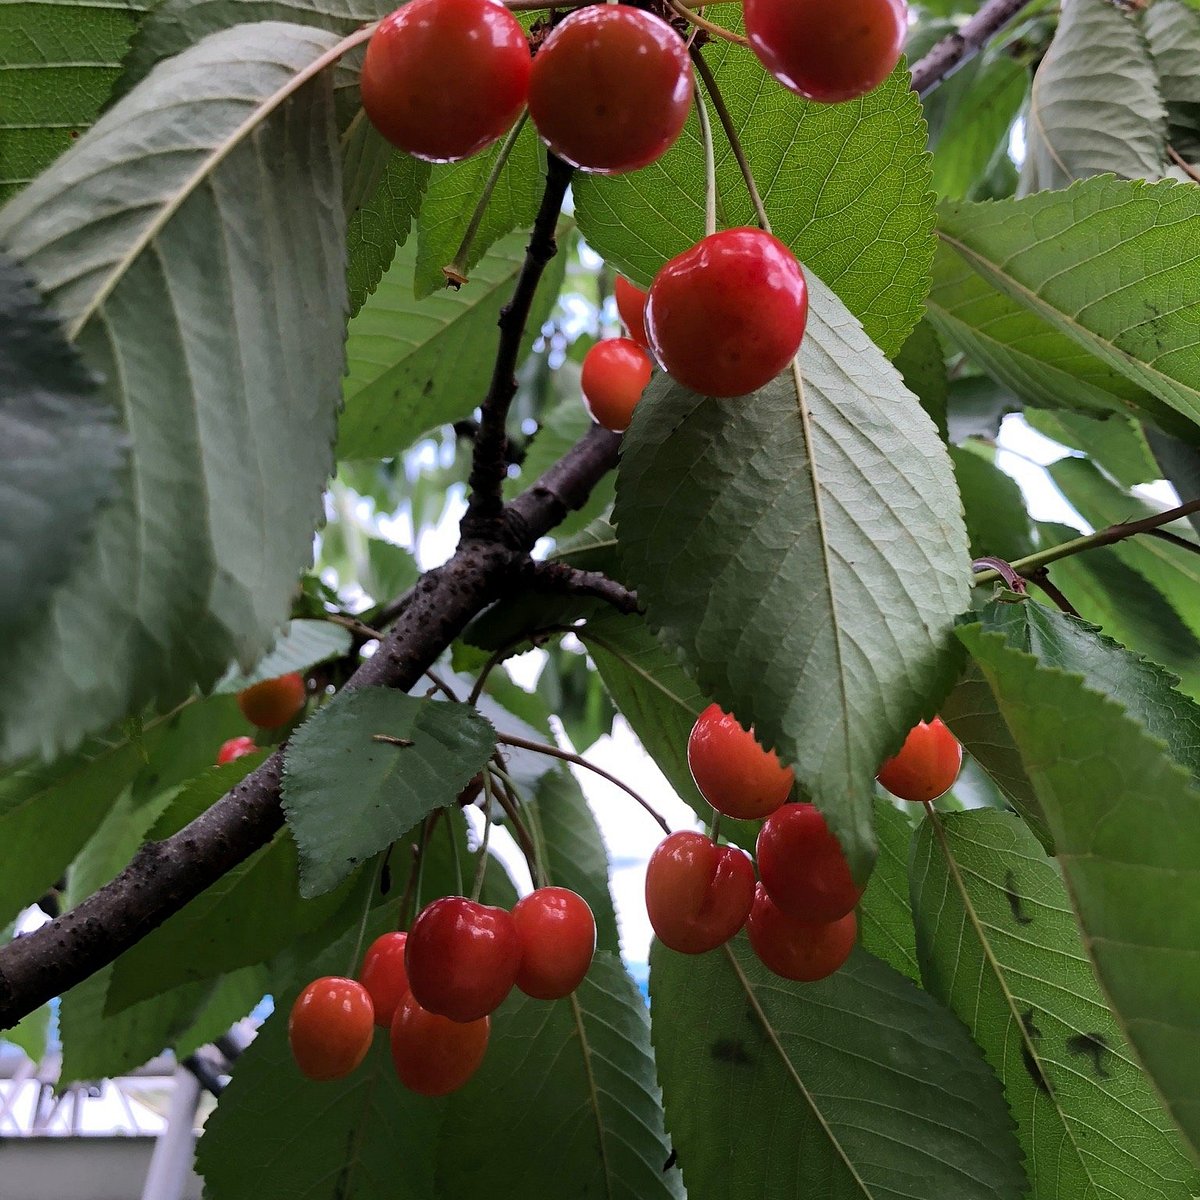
<point x="274" y="702"/>
<point x="330" y="1027"/>
<point x="611" y="88"/>
<point x="631" y="307"/>
<point x="434" y="1055"/>
<point x="828" y="52"/>
<point x="727" y="315"/>
<point x="927" y="765"/>
<point x="557" y="932"/>
<point x="237" y="747"/>
<point x="802" y="866"/>
<point x="615" y="373"/>
<point x="804" y="951"/>
<point x="733" y="772"/>
<point x="442" y="79"/>
<point x="462" y="958"/>
<point x="384" y="976"/>
<point x="697" y="892"/>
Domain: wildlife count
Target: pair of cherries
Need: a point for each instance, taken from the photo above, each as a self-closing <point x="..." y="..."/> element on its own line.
<point x="436" y="987"/>
<point x="271" y="704"/>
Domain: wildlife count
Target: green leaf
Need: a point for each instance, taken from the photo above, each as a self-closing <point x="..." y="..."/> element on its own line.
<point x="230" y="998"/>
<point x="997" y="521"/>
<point x="347" y="796"/>
<point x="1173" y="32"/>
<point x="1123" y="816"/>
<point x="1180" y="464"/>
<point x="860" y="1086"/>
<point x="885" y="920"/>
<point x="60" y="448"/>
<point x="846" y="187"/>
<point x="30" y="1033"/>
<point x="1118" y="444"/>
<point x="301" y="645"/>
<point x="999" y="945"/>
<point x="58" y="60"/>
<point x="807" y="556"/>
<point x="414" y="365"/>
<point x="923" y="368"/>
<point x="170" y="276"/>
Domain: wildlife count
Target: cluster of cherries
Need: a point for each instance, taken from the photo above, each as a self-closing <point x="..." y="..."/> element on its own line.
<point x="609" y="91"/>
<point x="436" y="987"/>
<point x="271" y="704"/>
<point x="799" y="916"/>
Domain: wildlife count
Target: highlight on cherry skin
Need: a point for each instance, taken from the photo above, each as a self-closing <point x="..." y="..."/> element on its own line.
<point x="728" y="314"/>
<point x="443" y="79"/>
<point x="433" y="1055"/>
<point x="698" y="894"/>
<point x="926" y="766"/>
<point x="330" y="1027"/>
<point x="733" y="772"/>
<point x="615" y="373"/>
<point x="274" y="702"/>
<point x="611" y="88"/>
<point x="631" y="308"/>
<point x="802" y="866"/>
<point x="792" y="948"/>
<point x="236" y="747"/>
<point x="825" y="52"/>
<point x="557" y="933"/>
<point x="383" y="975"/>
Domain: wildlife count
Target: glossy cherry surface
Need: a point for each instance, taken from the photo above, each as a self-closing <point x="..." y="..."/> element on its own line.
<point x="330" y="1027"/>
<point x="727" y="315"/>
<point x="442" y="79"/>
<point x="733" y="772"/>
<point x="611" y="88"/>
<point x="697" y="893"/>
<point x="274" y="702"/>
<point x="631" y="306"/>
<point x="927" y="765"/>
<point x="557" y="932"/>
<point x="802" y="866"/>
<point x="828" y="52"/>
<point x="384" y="976"/>
<point x="615" y="373"/>
<point x="804" y="951"/>
<point x="434" y="1055"/>
<point x="237" y="747"/>
<point x="462" y="958"/>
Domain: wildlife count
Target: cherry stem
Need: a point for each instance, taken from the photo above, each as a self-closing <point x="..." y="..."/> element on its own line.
<point x="718" y="31"/>
<point x="714" y="828"/>
<point x="710" y="166"/>
<point x="458" y="871"/>
<point x="404" y="912"/>
<point x="481" y="869"/>
<point x="506" y="651"/>
<point x="356" y="957"/>
<point x="510" y="805"/>
<point x="441" y="685"/>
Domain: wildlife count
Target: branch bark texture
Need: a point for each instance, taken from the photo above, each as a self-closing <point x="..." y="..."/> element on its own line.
<point x="959" y="48"/>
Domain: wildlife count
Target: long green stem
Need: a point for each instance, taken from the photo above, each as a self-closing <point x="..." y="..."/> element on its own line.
<point x="481" y="869"/>
<point x="710" y="166"/>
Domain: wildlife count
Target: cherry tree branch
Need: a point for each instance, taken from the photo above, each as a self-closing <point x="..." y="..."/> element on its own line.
<point x="959" y="48"/>
<point x="562" y="577"/>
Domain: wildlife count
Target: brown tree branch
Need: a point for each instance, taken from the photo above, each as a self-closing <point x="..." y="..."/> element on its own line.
<point x="959" y="48"/>
<point x="562" y="577"/>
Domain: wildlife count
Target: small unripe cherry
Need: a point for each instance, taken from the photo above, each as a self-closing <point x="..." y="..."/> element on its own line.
<point x="432" y="1054"/>
<point x="611" y="88"/>
<point x="330" y="1027"/>
<point x="802" y="866"/>
<point x="237" y="747"/>
<point x="442" y="79"/>
<point x="615" y="373"/>
<point x="631" y="307"/>
<point x="733" y="772"/>
<point x="927" y="765"/>
<point x="557" y="932"/>
<point x="384" y="976"/>
<point x="727" y="315"/>
<point x="274" y="702"/>
<point x="803" y="951"/>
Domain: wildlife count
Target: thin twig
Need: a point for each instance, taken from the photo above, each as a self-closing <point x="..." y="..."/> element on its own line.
<point x="717" y="31"/>
<point x="1041" y="578"/>
<point x="1183" y="164"/>
<point x="960" y="47"/>
<point x="562" y="577"/>
<point x="1167" y="536"/>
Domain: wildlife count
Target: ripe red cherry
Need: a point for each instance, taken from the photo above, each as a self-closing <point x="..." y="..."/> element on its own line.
<point x="434" y="1055"/>
<point x="237" y="747"/>
<point x="631" y="305"/>
<point x="611" y="88"/>
<point x="802" y="865"/>
<point x="794" y="949"/>
<point x="828" y="52"/>
<point x="558" y="938"/>
<point x="330" y="1027"/>
<point x="697" y="893"/>
<point x="462" y="958"/>
<point x="384" y="976"/>
<point x="733" y="772"/>
<point x="927" y="765"/>
<point x="615" y="373"/>
<point x="274" y="702"/>
<point x="725" y="317"/>
<point x="442" y="79"/>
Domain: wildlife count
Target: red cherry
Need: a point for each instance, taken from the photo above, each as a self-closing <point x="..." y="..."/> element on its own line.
<point x="794" y="949"/>
<point x="462" y="958"/>
<point x="828" y="52"/>
<point x="615" y="373"/>
<point x="274" y="702"/>
<point x="330" y="1027"/>
<point x="802" y="865"/>
<point x="725" y="317"/>
<point x="558" y="938"/>
<point x="927" y="765"/>
<point x="442" y="79"/>
<point x="631" y="305"/>
<point x="434" y="1055"/>
<point x="384" y="976"/>
<point x="697" y="893"/>
<point x="611" y="88"/>
<point x="733" y="772"/>
<point x="237" y="747"/>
